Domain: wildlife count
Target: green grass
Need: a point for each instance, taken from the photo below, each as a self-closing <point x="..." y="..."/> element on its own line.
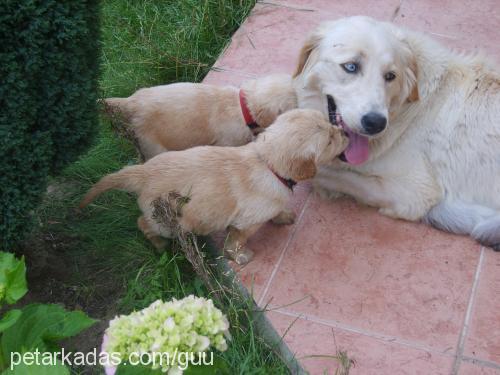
<point x="144" y="43"/>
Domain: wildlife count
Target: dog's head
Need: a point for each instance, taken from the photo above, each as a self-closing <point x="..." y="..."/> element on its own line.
<point x="270" y="96"/>
<point x="359" y="72"/>
<point x="298" y="141"/>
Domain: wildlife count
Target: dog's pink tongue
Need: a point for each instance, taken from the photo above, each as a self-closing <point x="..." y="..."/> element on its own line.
<point x="358" y="150"/>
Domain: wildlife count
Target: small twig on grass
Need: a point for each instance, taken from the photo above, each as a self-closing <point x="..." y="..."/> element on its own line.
<point x="344" y="362"/>
<point x="167" y="212"/>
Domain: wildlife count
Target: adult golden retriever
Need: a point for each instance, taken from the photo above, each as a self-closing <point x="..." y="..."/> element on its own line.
<point x="423" y="124"/>
<point x="235" y="188"/>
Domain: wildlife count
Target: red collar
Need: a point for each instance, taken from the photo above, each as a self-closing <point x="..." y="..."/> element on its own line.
<point x="249" y="120"/>
<point x="288" y="182"/>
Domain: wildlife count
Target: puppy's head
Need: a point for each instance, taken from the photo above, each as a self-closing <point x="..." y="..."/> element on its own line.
<point x="270" y="96"/>
<point x="298" y="141"/>
<point x="359" y="72"/>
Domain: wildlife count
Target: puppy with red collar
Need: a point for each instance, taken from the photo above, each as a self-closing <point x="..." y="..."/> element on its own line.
<point x="183" y="115"/>
<point x="207" y="189"/>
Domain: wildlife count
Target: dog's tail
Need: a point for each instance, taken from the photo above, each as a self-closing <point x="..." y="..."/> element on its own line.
<point x="131" y="179"/>
<point x="114" y="106"/>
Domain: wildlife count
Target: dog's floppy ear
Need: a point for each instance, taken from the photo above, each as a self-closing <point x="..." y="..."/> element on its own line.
<point x="310" y="44"/>
<point x="302" y="169"/>
<point x="408" y="55"/>
<point x="413" y="73"/>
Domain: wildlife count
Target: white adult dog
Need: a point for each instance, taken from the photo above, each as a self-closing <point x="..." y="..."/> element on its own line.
<point x="423" y="123"/>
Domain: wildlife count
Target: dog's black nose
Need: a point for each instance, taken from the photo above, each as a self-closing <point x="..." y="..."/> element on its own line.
<point x="373" y="122"/>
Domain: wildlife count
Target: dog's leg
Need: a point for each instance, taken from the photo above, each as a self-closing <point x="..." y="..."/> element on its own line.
<point x="487" y="232"/>
<point x="457" y="217"/>
<point x="398" y="197"/>
<point x="151" y="234"/>
<point x="482" y="223"/>
<point x="285" y="217"/>
<point x="235" y="246"/>
<point x="147" y="149"/>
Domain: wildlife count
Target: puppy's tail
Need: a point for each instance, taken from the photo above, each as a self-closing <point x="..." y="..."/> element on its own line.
<point x="131" y="179"/>
<point x="114" y="106"/>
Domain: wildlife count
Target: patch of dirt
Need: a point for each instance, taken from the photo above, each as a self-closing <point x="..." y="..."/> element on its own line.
<point x="57" y="275"/>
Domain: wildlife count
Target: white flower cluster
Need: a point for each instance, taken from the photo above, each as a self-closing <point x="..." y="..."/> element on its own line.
<point x="190" y="325"/>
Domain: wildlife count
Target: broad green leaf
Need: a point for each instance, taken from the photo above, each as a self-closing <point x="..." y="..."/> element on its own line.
<point x="9" y="319"/>
<point x="42" y="326"/>
<point x="12" y="278"/>
<point x="48" y="369"/>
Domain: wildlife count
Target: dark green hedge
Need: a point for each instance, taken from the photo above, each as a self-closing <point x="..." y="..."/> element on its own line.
<point x="48" y="90"/>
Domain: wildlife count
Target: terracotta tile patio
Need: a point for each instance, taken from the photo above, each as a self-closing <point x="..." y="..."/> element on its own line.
<point x="400" y="298"/>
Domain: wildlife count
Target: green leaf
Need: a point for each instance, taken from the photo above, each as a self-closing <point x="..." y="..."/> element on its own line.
<point x="12" y="278"/>
<point x="9" y="319"/>
<point x="52" y="369"/>
<point x="42" y="326"/>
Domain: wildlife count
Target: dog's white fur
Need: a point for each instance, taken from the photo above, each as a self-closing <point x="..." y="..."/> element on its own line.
<point x="438" y="160"/>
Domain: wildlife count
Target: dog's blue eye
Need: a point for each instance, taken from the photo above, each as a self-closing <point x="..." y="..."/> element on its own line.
<point x="350" y="67"/>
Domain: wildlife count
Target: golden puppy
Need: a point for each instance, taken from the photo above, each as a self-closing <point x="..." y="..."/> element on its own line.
<point x="238" y="188"/>
<point x="184" y="115"/>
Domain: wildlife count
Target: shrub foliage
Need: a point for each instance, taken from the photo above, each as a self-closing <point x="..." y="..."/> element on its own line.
<point x="48" y="91"/>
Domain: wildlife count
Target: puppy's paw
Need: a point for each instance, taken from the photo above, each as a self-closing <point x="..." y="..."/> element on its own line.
<point x="243" y="256"/>
<point x="285" y="218"/>
<point x="340" y="138"/>
<point x="496" y="247"/>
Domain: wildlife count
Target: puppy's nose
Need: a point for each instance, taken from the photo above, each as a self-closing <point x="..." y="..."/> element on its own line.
<point x="373" y="122"/>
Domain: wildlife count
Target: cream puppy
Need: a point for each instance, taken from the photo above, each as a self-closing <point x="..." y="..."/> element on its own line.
<point x="184" y="115"/>
<point x="236" y="188"/>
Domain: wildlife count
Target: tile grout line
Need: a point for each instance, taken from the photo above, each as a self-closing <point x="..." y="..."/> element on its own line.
<point x="285" y="248"/>
<point x="481" y="362"/>
<point x="373" y="335"/>
<point x="468" y="314"/>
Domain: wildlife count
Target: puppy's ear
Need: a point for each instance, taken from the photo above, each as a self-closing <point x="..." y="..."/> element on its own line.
<point x="310" y="44"/>
<point x="302" y="169"/>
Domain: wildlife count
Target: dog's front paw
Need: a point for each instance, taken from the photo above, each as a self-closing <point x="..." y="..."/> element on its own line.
<point x="403" y="213"/>
<point x="388" y="212"/>
<point x="496" y="247"/>
<point x="285" y="218"/>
